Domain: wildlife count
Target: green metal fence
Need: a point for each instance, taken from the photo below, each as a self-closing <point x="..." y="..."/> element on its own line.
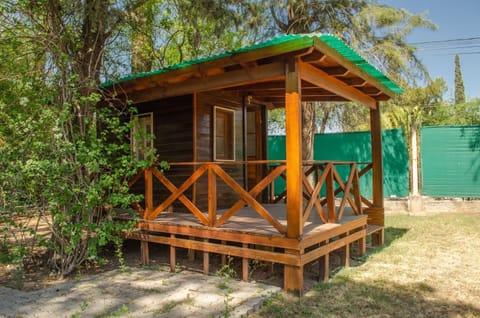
<point x="356" y="147"/>
<point x="450" y="160"/>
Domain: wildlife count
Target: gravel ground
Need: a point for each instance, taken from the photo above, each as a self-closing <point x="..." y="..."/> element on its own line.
<point x="138" y="293"/>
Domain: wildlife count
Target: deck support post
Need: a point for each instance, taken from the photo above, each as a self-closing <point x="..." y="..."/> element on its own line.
<point x="206" y="261"/>
<point x="376" y="212"/>
<point x="324" y="267"/>
<point x="144" y="255"/>
<point x="362" y="246"/>
<point x="173" y="262"/>
<point x="346" y="262"/>
<point x="245" y="265"/>
<point x="293" y="275"/>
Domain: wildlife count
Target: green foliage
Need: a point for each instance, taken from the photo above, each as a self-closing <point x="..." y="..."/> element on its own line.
<point x="379" y="31"/>
<point x="163" y="33"/>
<point x="459" y="88"/>
<point x="64" y="158"/>
<point x="226" y="273"/>
<point x="422" y="102"/>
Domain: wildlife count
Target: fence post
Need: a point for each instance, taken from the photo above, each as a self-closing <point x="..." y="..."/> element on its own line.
<point x="415" y="201"/>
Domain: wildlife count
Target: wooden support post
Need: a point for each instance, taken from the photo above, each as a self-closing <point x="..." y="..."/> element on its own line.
<point x="356" y="189"/>
<point x="173" y="262"/>
<point x="245" y="265"/>
<point x="293" y="275"/>
<point x="144" y="255"/>
<point x="362" y="246"/>
<point x="324" y="267"/>
<point x="148" y="193"/>
<point x="212" y="197"/>
<point x="206" y="261"/>
<point x="347" y="255"/>
<point x="376" y="213"/>
<point x="329" y="184"/>
<point x="378" y="238"/>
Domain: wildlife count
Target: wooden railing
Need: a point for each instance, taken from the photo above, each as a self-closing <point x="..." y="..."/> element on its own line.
<point x="318" y="175"/>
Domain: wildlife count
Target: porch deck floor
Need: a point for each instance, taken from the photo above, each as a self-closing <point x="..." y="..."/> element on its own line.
<point x="248" y="221"/>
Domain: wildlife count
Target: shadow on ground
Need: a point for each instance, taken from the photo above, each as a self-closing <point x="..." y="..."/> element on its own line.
<point x="346" y="298"/>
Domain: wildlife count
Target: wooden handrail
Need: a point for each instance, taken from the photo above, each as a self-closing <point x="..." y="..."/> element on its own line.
<point x="326" y="177"/>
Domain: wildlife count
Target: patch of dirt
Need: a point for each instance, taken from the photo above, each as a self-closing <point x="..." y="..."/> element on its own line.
<point x="35" y="275"/>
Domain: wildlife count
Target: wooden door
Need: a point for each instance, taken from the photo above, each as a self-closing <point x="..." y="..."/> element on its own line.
<point x="255" y="136"/>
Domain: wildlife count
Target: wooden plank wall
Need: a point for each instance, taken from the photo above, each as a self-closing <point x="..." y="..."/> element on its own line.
<point x="173" y="130"/>
<point x="205" y="104"/>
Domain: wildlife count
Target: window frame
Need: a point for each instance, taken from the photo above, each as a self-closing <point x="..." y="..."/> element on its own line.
<point x="133" y="142"/>
<point x="232" y="129"/>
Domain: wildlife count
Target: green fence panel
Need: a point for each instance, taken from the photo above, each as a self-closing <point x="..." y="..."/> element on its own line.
<point x="356" y="147"/>
<point x="450" y="158"/>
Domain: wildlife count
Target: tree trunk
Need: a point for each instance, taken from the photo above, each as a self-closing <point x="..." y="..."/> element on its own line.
<point x="308" y="130"/>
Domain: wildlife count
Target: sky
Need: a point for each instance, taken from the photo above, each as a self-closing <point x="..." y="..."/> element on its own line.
<point x="457" y="21"/>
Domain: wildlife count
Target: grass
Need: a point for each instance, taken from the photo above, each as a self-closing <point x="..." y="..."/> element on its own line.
<point x="430" y="267"/>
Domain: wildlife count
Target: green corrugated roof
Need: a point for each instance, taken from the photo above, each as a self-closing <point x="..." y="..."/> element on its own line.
<point x="306" y="39"/>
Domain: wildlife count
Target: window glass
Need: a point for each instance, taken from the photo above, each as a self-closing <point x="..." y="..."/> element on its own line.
<point x="224" y="142"/>
<point x="142" y="135"/>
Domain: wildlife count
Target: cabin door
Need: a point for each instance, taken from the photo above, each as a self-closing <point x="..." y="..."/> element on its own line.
<point x="255" y="135"/>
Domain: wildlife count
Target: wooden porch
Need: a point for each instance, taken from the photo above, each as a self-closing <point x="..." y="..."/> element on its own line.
<point x="254" y="226"/>
<point x="208" y="119"/>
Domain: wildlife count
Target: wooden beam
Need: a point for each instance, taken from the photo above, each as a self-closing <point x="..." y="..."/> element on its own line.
<point x="202" y="68"/>
<point x="280" y="102"/>
<point x="372" y="91"/>
<point x="377" y="164"/>
<point x="273" y="85"/>
<point x="205" y="246"/>
<point x="269" y="72"/>
<point x="314" y="57"/>
<point x="335" y="70"/>
<point x="310" y="91"/>
<point x="352" y="67"/>
<point x="354" y="81"/>
<point x="293" y="115"/>
<point x="318" y="77"/>
<point x="293" y="275"/>
<point x="218" y="234"/>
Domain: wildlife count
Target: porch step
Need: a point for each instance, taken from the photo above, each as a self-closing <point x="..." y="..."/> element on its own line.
<point x="377" y="234"/>
<point x="371" y="228"/>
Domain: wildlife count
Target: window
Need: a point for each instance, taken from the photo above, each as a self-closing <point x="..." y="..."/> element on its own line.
<point x="224" y="134"/>
<point x="142" y="135"/>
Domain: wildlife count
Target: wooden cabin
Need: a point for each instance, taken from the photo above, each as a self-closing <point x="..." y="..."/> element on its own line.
<point x="208" y="118"/>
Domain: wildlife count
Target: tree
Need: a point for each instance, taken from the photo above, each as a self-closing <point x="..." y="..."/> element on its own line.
<point x="170" y="32"/>
<point x="69" y="154"/>
<point x="376" y="30"/>
<point x="459" y="88"/>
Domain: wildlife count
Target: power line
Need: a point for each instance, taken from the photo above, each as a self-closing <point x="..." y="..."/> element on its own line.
<point x="449" y="48"/>
<point x="446" y="41"/>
